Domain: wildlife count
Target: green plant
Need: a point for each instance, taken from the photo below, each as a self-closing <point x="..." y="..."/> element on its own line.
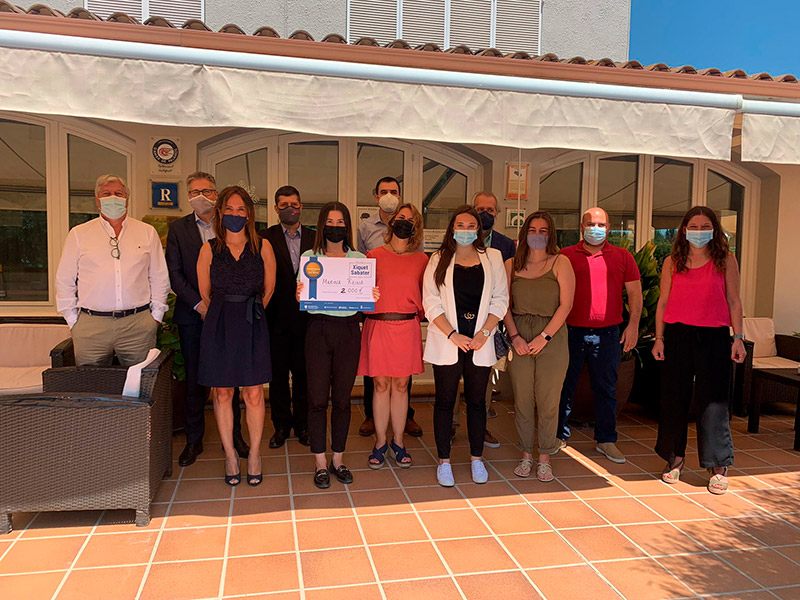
<point x="168" y="339"/>
<point x="651" y="289"/>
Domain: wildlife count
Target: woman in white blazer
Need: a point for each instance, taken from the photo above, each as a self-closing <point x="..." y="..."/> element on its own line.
<point x="465" y="295"/>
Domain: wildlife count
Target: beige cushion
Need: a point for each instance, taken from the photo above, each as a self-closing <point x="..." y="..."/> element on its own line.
<point x="761" y="331"/>
<point x="29" y="345"/>
<point x="21" y="380"/>
<point x="774" y="362"/>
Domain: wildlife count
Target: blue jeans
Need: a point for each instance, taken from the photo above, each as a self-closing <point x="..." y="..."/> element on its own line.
<point x="600" y="348"/>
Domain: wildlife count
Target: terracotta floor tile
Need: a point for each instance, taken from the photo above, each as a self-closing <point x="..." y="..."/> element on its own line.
<point x="676" y="508"/>
<point x="642" y="579"/>
<point x="417" y="476"/>
<point x="728" y="505"/>
<point x="421" y="589"/>
<point x="718" y="534"/>
<point x="261" y="574"/>
<point x="750" y="596"/>
<point x="513" y="519"/>
<point x="572" y="583"/>
<point x="487" y="585"/>
<point x="328" y="533"/>
<point x="373" y="480"/>
<point x="661" y="538"/>
<point x="771" y="531"/>
<point x="567" y="466"/>
<point x="41" y="555"/>
<point x="746" y="459"/>
<point x="775" y="501"/>
<point x="124" y="521"/>
<point x="399" y="560"/>
<point x="601" y="543"/>
<point x="790" y="593"/>
<point x="282" y="596"/>
<point x="119" y="583"/>
<point x="624" y="510"/>
<point x="592" y="486"/>
<point x="381" y="529"/>
<point x="650" y="463"/>
<point x="206" y="489"/>
<point x="322" y="506"/>
<point x="463" y="473"/>
<point x="260" y="510"/>
<point x="781" y="478"/>
<point x="707" y="574"/>
<point x="436" y="498"/>
<point x="78" y="522"/>
<point x="117" y="549"/>
<point x="183" y="581"/>
<point x="792" y="552"/>
<point x="642" y="485"/>
<point x="359" y="592"/>
<point x="39" y="586"/>
<point x="454" y="524"/>
<point x="546" y="549"/>
<point x="744" y="480"/>
<point x="491" y="494"/>
<point x="766" y="566"/>
<point x="534" y="490"/>
<point x="188" y="544"/>
<point x="271" y="485"/>
<point x="504" y="452"/>
<point x="165" y="490"/>
<point x="261" y="538"/>
<point x="19" y="521"/>
<point x="198" y="514"/>
<point x="336" y="567"/>
<point x="380" y="502"/>
<point x="477" y="554"/>
<point x="569" y="514"/>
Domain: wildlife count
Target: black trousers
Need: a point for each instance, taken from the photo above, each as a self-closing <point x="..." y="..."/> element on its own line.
<point x="696" y="360"/>
<point x="333" y="345"/>
<point x="446" y="378"/>
<point x="289" y="405"/>
<point x="369" y="391"/>
<point x="194" y="411"/>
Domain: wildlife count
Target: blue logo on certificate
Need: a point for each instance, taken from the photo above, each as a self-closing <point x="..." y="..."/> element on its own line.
<point x="340" y="284"/>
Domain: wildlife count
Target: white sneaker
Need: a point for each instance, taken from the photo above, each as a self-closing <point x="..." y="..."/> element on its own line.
<point x="444" y="475"/>
<point x="479" y="473"/>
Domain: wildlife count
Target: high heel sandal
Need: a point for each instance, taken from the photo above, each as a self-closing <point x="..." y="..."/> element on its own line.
<point x="718" y="482"/>
<point x="233" y="480"/>
<point x="400" y="453"/>
<point x="378" y="454"/>
<point x="672" y="474"/>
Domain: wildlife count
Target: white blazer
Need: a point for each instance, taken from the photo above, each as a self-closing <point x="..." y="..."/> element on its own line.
<point x="441" y="301"/>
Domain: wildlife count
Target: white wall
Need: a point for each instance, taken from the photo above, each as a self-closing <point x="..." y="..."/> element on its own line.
<point x="318" y="17"/>
<point x="786" y="312"/>
<point x="596" y="29"/>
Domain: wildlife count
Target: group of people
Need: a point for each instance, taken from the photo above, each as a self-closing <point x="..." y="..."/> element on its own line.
<point x="240" y="325"/>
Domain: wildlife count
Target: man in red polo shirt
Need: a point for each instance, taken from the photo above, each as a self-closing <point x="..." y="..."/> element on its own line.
<point x="602" y="271"/>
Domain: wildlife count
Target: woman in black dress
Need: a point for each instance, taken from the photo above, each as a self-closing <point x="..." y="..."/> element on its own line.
<point x="236" y="276"/>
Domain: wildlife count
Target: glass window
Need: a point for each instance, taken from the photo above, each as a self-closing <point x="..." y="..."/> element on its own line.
<point x="249" y="171"/>
<point x="87" y="161"/>
<point x="617" y="183"/>
<point x="374" y="162"/>
<point x="443" y="189"/>
<point x="560" y="195"/>
<point x="672" y="197"/>
<point x="314" y="171"/>
<point x="23" y="213"/>
<point x="726" y="198"/>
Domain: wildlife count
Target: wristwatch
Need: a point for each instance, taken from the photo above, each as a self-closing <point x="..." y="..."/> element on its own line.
<point x="738" y="336"/>
<point x="485" y="332"/>
<point x="546" y="336"/>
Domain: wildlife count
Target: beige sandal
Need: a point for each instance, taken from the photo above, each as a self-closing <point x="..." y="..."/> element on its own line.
<point x="672" y="474"/>
<point x="523" y="469"/>
<point x="718" y="484"/>
<point x="544" y="472"/>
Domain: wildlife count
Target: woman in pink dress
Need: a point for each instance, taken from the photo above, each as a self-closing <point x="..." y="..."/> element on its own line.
<point x="391" y="342"/>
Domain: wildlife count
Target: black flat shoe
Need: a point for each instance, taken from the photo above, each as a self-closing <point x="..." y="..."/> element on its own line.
<point x="322" y="480"/>
<point x="304" y="437"/>
<point x="241" y="447"/>
<point x="278" y="438"/>
<point x="341" y="473"/>
<point x="190" y="453"/>
<point x="233" y="480"/>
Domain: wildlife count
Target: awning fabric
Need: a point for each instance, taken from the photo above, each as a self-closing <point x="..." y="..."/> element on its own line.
<point x="185" y="95"/>
<point x="770" y="139"/>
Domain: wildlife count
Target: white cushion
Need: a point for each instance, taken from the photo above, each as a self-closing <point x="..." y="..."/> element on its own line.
<point x="29" y="345"/>
<point x="774" y="362"/>
<point x="761" y="331"/>
<point x="21" y="380"/>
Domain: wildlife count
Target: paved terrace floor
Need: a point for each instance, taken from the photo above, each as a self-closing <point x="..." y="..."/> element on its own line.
<point x="599" y="531"/>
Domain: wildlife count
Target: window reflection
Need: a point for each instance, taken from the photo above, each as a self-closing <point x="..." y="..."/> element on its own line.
<point x="314" y="171"/>
<point x="87" y="161"/>
<point x="672" y="197"/>
<point x="443" y="189"/>
<point x="248" y="170"/>
<point x="726" y="198"/>
<point x="560" y="195"/>
<point x="374" y="162"/>
<point x="618" y="179"/>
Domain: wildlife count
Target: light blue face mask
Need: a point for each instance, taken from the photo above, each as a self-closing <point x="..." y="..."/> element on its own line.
<point x="113" y="207"/>
<point x="699" y="238"/>
<point x="594" y="235"/>
<point x="465" y="237"/>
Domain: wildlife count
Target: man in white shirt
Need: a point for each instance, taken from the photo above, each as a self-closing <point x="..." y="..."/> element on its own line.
<point x="112" y="281"/>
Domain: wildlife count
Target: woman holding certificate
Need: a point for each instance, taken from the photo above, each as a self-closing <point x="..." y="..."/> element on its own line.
<point x="333" y="343"/>
<point x="391" y="342"/>
<point x="465" y="295"/>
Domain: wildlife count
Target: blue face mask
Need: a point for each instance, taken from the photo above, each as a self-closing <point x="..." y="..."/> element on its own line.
<point x="465" y="237"/>
<point x="113" y="207"/>
<point x="234" y="223"/>
<point x="699" y="239"/>
<point x="594" y="235"/>
<point x="487" y="220"/>
<point x="537" y="241"/>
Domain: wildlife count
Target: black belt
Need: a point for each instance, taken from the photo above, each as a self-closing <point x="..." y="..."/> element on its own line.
<point x="251" y="310"/>
<point x="117" y="314"/>
<point x="390" y="316"/>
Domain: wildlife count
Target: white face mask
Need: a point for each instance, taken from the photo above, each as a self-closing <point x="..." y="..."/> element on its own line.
<point x="388" y="202"/>
<point x="113" y="207"/>
<point x="202" y="205"/>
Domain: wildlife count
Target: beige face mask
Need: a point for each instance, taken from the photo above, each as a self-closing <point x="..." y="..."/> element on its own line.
<point x="202" y="205"/>
<point x="388" y="202"/>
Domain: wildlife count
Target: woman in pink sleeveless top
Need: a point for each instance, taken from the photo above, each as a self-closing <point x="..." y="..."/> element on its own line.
<point x="698" y="305"/>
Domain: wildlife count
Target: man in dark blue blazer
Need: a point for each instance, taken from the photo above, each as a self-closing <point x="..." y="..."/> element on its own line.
<point x="287" y="324"/>
<point x="485" y="204"/>
<point x="185" y="238"/>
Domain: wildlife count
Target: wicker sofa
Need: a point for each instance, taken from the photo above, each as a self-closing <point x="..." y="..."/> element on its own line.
<point x="768" y="351"/>
<point x="79" y="445"/>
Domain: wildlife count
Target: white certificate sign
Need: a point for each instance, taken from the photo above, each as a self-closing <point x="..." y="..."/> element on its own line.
<point x="337" y="283"/>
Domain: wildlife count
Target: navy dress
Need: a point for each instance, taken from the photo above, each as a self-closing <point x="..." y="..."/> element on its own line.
<point x="234" y="346"/>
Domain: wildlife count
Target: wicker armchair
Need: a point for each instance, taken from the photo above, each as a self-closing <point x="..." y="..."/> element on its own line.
<point x="79" y="445"/>
<point x="767" y="350"/>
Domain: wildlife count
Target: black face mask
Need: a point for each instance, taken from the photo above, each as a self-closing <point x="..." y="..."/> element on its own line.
<point x="289" y="215"/>
<point x="487" y="220"/>
<point x="403" y="229"/>
<point x="334" y="233"/>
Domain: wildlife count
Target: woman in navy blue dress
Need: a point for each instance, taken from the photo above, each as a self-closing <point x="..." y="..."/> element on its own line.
<point x="236" y="276"/>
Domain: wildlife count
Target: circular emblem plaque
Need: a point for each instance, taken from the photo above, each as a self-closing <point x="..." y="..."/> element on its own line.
<point x="165" y="151"/>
